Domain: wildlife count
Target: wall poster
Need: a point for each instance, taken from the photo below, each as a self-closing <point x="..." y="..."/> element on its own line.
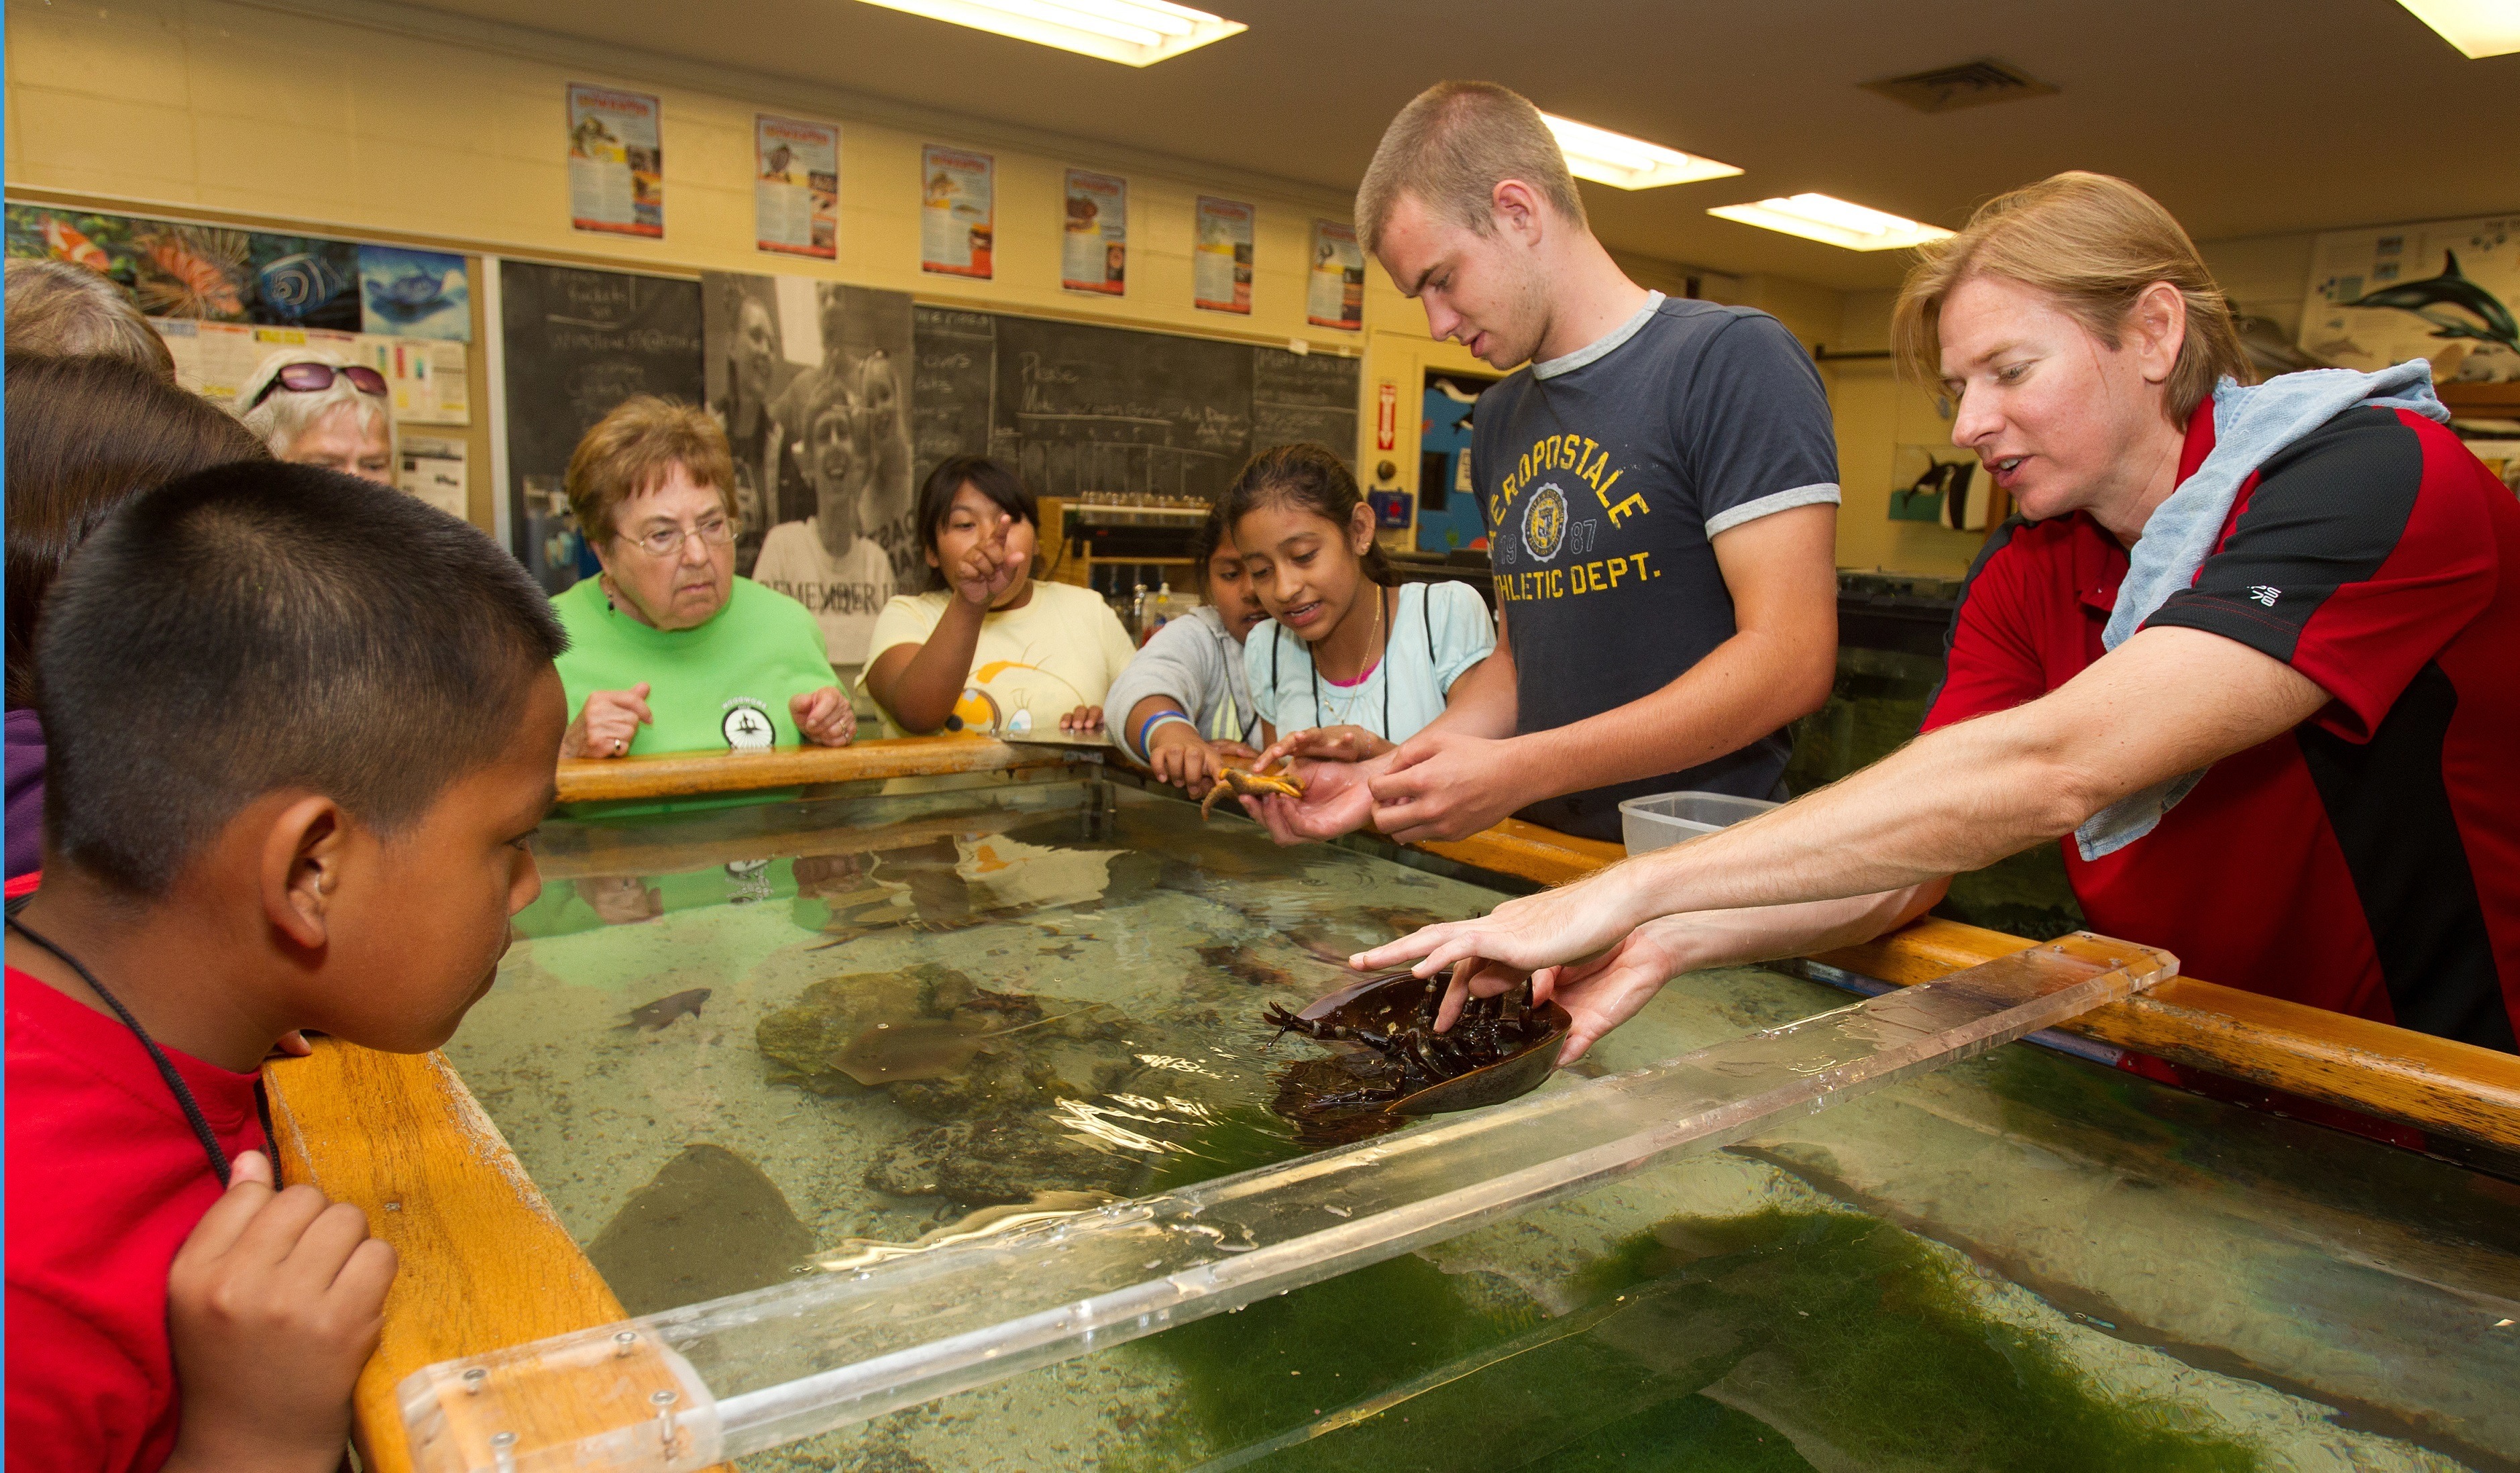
<point x="1093" y="250"/>
<point x="1334" y="289"/>
<point x="213" y="273"/>
<point x="956" y="218"/>
<point x="616" y="163"/>
<point x="2446" y="290"/>
<point x="414" y="293"/>
<point x="811" y="381"/>
<point x="1220" y="273"/>
<point x="428" y="379"/>
<point x="796" y="187"/>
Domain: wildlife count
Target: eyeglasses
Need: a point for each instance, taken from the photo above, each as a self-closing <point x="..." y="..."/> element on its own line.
<point x="665" y="542"/>
<point x="315" y="377"/>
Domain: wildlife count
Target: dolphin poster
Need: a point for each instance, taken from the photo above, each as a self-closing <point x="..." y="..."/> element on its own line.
<point x="2446" y="291"/>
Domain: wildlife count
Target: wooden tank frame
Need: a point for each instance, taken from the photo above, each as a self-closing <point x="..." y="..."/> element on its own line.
<point x="486" y="1264"/>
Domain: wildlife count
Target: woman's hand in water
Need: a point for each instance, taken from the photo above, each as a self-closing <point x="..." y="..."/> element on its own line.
<point x="1347" y="743"/>
<point x="989" y="568"/>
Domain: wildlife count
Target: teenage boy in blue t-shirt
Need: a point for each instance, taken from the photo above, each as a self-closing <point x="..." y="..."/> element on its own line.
<point x="302" y="728"/>
<point x="1660" y="488"/>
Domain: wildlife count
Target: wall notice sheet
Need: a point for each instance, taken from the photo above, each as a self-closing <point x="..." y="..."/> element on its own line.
<point x="957" y="218"/>
<point x="427" y="377"/>
<point x="796" y="187"/>
<point x="1093" y="252"/>
<point x="432" y="469"/>
<point x="616" y="161"/>
<point x="1220" y="273"/>
<point x="1335" y="289"/>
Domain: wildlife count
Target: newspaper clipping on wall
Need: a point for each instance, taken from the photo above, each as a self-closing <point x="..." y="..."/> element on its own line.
<point x="956" y="218"/>
<point x="796" y="187"/>
<point x="1094" y="249"/>
<point x="1221" y="258"/>
<point x="1334" y="289"/>
<point x="616" y="163"/>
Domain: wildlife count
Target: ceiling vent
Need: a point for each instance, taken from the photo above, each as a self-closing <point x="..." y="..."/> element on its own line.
<point x="1970" y="84"/>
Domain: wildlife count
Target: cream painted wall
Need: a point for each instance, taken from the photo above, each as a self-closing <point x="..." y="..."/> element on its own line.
<point x="372" y="118"/>
<point x="1877" y="413"/>
<point x="375" y="120"/>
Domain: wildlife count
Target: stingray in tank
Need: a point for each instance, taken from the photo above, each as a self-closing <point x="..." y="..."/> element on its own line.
<point x="2441" y="300"/>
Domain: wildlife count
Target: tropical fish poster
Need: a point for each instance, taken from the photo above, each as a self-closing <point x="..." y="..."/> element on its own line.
<point x="2446" y="291"/>
<point x="214" y="273"/>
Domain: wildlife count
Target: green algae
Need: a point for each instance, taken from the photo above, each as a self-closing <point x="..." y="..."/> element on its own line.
<point x="1778" y="1340"/>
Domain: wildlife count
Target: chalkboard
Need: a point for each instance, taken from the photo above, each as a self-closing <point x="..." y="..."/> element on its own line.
<point x="1303" y="396"/>
<point x="953" y="379"/>
<point x="577" y="343"/>
<point x="1080" y="408"/>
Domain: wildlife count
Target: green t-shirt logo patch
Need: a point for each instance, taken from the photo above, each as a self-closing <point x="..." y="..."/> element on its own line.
<point x="746" y="726"/>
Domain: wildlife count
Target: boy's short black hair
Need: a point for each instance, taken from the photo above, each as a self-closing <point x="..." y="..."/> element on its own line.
<point x="259" y="626"/>
<point x="993" y="478"/>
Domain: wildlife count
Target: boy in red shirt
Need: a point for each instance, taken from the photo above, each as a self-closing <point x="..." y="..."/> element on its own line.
<point x="302" y="730"/>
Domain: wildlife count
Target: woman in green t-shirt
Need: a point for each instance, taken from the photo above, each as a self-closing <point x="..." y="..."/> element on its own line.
<point x="669" y="649"/>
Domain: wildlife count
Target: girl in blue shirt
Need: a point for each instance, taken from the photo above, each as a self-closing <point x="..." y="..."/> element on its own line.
<point x="1351" y="662"/>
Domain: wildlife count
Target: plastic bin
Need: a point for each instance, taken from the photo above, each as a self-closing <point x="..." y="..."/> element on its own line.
<point x="1666" y="819"/>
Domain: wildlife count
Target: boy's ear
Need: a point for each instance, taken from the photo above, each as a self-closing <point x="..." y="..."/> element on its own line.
<point x="303" y="854"/>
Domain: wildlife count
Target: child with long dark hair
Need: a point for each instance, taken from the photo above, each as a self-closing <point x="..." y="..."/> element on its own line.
<point x="1186" y="702"/>
<point x="990" y="648"/>
<point x="1351" y="661"/>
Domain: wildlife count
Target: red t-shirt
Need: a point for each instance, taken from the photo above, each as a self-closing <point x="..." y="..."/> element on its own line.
<point x="106" y="1180"/>
<point x="2368" y="860"/>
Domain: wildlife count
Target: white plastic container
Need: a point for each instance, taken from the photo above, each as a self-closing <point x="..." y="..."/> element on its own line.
<point x="1666" y="819"/>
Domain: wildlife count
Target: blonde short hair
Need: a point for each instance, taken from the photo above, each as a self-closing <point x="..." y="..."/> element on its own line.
<point x="284" y="415"/>
<point x="58" y="310"/>
<point x="2093" y="243"/>
<point x="632" y="449"/>
<point x="1451" y="147"/>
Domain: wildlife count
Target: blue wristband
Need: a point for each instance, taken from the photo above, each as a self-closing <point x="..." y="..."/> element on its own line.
<point x="1148" y="728"/>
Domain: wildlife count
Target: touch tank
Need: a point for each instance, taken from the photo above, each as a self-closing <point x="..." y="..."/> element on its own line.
<point x="937" y="1014"/>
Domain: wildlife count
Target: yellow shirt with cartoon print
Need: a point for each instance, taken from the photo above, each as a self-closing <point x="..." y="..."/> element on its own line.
<point x="1032" y="665"/>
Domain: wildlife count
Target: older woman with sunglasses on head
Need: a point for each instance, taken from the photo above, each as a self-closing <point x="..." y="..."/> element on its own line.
<point x="316" y="408"/>
<point x="669" y="649"/>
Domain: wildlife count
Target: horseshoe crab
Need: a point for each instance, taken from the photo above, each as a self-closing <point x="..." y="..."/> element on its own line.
<point x="1245" y="785"/>
<point x="1500" y="1047"/>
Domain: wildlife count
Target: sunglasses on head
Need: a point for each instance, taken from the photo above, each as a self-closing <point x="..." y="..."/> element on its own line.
<point x="315" y="377"/>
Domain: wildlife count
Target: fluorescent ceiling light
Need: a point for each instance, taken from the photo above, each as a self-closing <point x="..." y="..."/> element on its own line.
<point x="1134" y="32"/>
<point x="2478" y="27"/>
<point x="1833" y="222"/>
<point x="1623" y="163"/>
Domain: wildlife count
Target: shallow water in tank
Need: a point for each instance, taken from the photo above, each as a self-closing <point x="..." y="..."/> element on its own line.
<point x="955" y="1004"/>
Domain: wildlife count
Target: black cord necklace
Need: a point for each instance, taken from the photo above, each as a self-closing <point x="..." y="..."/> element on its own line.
<point x="209" y="1139"/>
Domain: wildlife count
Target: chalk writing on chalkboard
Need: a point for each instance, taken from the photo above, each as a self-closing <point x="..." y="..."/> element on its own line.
<point x="953" y="381"/>
<point x="1084" y="409"/>
<point x="578" y="342"/>
<point x="1303" y="396"/>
